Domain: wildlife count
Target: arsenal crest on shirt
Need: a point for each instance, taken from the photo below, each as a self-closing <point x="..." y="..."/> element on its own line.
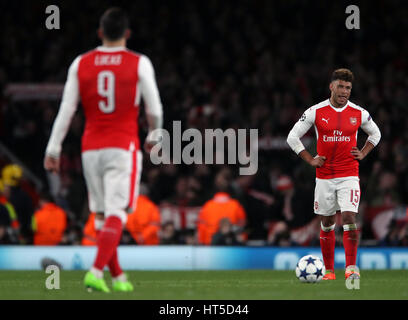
<point x="353" y="120"/>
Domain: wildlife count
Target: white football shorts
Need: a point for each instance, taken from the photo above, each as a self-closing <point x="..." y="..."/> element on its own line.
<point x="112" y="177"/>
<point x="336" y="194"/>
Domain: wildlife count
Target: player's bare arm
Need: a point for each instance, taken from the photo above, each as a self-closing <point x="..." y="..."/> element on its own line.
<point x="361" y="154"/>
<point x="374" y="136"/>
<point x="316" y="161"/>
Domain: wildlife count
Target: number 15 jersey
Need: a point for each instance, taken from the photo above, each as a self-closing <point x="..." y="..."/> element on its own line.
<point x="110" y="83"/>
<point x="336" y="133"/>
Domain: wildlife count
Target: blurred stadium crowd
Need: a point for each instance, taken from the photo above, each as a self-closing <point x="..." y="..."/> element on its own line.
<point x="218" y="65"/>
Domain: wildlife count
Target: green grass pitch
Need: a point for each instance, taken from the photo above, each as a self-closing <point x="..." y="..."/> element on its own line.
<point x="208" y="285"/>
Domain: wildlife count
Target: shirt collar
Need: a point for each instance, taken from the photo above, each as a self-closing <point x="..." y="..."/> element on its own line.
<point x="110" y="49"/>
<point x="338" y="109"/>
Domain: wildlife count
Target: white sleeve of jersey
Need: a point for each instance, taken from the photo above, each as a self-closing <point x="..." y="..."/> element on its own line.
<point x="148" y="87"/>
<point x="69" y="104"/>
<point x="370" y="127"/>
<point x="150" y="94"/>
<point x="305" y="122"/>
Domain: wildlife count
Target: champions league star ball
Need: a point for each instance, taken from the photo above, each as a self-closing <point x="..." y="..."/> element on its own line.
<point x="310" y="269"/>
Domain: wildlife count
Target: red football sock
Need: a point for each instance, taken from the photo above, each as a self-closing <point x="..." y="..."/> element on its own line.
<point x="350" y="243"/>
<point x="114" y="266"/>
<point x="327" y="244"/>
<point x="113" y="263"/>
<point x="108" y="241"/>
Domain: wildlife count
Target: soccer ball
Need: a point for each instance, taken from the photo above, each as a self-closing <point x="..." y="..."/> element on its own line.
<point x="310" y="269"/>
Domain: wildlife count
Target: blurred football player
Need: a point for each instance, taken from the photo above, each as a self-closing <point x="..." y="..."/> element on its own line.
<point x="110" y="81"/>
<point x="336" y="121"/>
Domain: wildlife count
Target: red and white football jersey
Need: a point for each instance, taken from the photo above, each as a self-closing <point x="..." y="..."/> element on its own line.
<point x="108" y="89"/>
<point x="336" y="133"/>
<point x="110" y="83"/>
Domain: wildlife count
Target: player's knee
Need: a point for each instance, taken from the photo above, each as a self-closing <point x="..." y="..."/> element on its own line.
<point x="328" y="221"/>
<point x="349" y="218"/>
<point x="327" y="228"/>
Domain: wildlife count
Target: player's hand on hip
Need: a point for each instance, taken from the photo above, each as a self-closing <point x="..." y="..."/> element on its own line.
<point x="357" y="154"/>
<point x="52" y="164"/>
<point x="318" y="161"/>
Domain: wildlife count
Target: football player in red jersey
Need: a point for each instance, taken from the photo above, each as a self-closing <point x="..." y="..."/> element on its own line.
<point x="336" y="121"/>
<point x="110" y="81"/>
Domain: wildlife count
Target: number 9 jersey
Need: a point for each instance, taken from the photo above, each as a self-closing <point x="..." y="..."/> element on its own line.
<point x="110" y="83"/>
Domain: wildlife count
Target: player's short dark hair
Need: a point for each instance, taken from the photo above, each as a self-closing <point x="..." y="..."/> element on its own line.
<point x="114" y="23"/>
<point x="342" y="74"/>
